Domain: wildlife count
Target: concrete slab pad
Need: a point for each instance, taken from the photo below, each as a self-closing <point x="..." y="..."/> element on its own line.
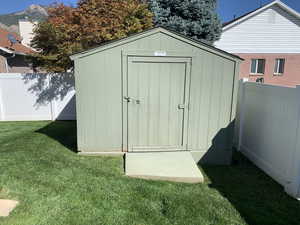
<point x="169" y="166"/>
<point x="6" y="206"/>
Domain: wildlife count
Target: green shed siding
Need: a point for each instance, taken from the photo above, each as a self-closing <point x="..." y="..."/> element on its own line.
<point x="99" y="103"/>
<point x="99" y="86"/>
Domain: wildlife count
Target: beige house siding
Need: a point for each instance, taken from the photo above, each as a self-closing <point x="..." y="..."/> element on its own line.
<point x="3" y="64"/>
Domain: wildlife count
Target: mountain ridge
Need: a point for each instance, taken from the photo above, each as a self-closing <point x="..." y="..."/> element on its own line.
<point x="34" y="12"/>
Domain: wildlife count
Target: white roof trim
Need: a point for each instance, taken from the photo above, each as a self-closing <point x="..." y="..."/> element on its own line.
<point x="115" y="42"/>
<point x="6" y="50"/>
<point x="277" y="2"/>
<point x="152" y="31"/>
<point x="11" y="52"/>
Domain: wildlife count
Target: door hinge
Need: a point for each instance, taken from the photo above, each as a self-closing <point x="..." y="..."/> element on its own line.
<point x="181" y="106"/>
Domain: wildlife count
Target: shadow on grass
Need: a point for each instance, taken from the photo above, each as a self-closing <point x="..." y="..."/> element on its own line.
<point x="62" y="131"/>
<point x="258" y="199"/>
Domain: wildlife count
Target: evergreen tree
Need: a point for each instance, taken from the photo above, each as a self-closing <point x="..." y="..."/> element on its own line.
<point x="194" y="18"/>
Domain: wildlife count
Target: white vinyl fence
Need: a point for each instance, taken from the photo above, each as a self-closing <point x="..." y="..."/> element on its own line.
<point x="269" y="131"/>
<point x="37" y="97"/>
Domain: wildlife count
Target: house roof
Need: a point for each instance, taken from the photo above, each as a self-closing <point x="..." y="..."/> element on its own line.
<point x="239" y="18"/>
<point x="152" y="31"/>
<point x="244" y="17"/>
<point x="8" y="47"/>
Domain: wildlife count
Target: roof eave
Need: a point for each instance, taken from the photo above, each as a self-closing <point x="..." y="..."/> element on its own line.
<point x="20" y="53"/>
<point x="6" y="50"/>
<point x="12" y="52"/>
<point x="102" y="46"/>
<point x="150" y="32"/>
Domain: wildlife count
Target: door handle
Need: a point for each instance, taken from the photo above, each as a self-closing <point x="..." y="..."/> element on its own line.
<point x="129" y="99"/>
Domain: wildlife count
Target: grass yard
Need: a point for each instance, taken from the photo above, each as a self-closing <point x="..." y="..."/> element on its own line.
<point x="39" y="168"/>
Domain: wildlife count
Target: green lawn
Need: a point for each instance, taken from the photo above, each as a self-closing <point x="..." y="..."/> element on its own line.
<point x="39" y="168"/>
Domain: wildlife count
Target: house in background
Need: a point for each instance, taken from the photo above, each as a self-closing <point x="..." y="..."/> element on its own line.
<point x="13" y="53"/>
<point x="269" y="41"/>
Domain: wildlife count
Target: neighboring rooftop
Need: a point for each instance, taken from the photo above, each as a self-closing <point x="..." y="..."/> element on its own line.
<point x="10" y="21"/>
<point x="240" y="17"/>
<point x="11" y="43"/>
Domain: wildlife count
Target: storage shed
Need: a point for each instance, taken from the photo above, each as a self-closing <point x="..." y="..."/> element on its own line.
<point x="156" y="91"/>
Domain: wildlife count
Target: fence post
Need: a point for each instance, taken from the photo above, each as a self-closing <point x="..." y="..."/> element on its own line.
<point x="241" y="112"/>
<point x="293" y="187"/>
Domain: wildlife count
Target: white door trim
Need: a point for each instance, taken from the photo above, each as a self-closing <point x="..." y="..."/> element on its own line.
<point x="175" y="57"/>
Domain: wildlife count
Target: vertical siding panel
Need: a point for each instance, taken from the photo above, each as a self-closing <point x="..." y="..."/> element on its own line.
<point x="164" y="99"/>
<point x="206" y="100"/>
<point x="139" y="85"/>
<point x="92" y="123"/>
<point x="213" y="102"/>
<point x="158" y="131"/>
<point x="226" y="95"/>
<point x="100" y="105"/>
<point x="197" y="85"/>
<point x="79" y="84"/>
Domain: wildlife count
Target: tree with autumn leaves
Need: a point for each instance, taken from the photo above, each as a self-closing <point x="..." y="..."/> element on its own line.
<point x="71" y="29"/>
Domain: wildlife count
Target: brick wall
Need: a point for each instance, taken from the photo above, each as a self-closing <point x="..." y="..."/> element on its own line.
<point x="290" y="77"/>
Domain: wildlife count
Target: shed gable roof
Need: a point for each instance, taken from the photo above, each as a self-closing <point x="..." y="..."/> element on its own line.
<point x="152" y="31"/>
<point x="248" y="15"/>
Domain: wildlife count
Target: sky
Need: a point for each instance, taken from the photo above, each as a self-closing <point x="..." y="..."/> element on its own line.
<point x="227" y="9"/>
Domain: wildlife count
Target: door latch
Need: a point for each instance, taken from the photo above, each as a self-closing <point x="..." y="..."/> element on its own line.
<point x="128" y="99"/>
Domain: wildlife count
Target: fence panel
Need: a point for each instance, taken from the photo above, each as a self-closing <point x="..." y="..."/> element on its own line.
<point x="28" y="97"/>
<point x="268" y="125"/>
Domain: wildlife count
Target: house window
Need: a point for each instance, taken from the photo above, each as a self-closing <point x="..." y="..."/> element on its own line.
<point x="279" y="66"/>
<point x="258" y="66"/>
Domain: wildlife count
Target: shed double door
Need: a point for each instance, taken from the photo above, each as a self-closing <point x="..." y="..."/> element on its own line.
<point x="157" y="103"/>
